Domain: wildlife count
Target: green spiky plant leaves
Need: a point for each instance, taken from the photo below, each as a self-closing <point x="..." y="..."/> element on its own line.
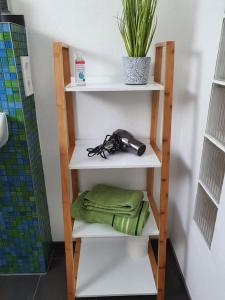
<point x="137" y="26"/>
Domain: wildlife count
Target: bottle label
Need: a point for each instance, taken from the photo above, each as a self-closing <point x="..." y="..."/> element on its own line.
<point x="80" y="72"/>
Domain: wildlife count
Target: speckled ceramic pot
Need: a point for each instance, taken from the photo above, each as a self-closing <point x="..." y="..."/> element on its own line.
<point x="136" y="70"/>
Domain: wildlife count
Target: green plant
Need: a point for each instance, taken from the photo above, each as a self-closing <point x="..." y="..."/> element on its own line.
<point x="137" y="26"/>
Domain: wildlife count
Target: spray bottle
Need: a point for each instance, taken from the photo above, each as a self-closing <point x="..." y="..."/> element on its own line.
<point x="80" y="76"/>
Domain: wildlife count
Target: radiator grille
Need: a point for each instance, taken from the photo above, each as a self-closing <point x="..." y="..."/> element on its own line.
<point x="205" y="215"/>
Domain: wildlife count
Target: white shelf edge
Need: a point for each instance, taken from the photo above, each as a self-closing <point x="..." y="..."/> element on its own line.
<point x="208" y="193"/>
<point x="94" y="230"/>
<point x="110" y="86"/>
<point x="219" y="82"/>
<point x="106" y="269"/>
<point x="215" y="142"/>
<point x="123" y="160"/>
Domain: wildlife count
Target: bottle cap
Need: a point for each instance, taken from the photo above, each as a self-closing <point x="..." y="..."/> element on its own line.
<point x="79" y="56"/>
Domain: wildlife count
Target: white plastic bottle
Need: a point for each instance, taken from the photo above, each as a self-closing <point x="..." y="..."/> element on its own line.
<point x="80" y="76"/>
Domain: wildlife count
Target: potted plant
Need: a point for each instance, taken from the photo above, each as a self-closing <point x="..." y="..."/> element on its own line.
<point x="137" y="26"/>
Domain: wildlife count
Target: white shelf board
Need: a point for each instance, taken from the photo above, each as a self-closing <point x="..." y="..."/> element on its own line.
<point x="215" y="142"/>
<point x="80" y="159"/>
<point x="105" y="269"/>
<point x="219" y="82"/>
<point x="87" y="230"/>
<point x="208" y="193"/>
<point x="111" y="84"/>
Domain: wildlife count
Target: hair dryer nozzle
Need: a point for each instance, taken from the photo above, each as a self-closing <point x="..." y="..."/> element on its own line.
<point x="141" y="150"/>
<point x="129" y="143"/>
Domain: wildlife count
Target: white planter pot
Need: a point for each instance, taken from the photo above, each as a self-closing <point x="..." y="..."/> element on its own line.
<point x="136" y="70"/>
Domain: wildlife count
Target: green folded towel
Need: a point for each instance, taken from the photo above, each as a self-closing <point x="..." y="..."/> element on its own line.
<point x="124" y="224"/>
<point x="104" y="198"/>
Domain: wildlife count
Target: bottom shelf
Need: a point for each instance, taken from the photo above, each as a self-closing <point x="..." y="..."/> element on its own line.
<point x="105" y="269"/>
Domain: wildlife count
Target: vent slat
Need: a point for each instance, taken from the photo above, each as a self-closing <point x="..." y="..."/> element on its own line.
<point x="216" y="117"/>
<point x="212" y="169"/>
<point x="205" y="215"/>
<point x="220" y="66"/>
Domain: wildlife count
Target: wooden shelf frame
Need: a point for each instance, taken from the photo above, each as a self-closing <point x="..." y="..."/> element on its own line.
<point x="69" y="182"/>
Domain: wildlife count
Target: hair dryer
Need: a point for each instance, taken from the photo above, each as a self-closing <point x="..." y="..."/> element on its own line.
<point x="129" y="143"/>
<point x="120" y="140"/>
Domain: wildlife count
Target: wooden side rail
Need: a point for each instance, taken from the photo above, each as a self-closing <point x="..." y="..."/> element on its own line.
<point x="154" y="117"/>
<point x="161" y="214"/>
<point x="154" y="208"/>
<point x="161" y="45"/>
<point x="76" y="260"/>
<point x="156" y="150"/>
<point x="66" y="136"/>
<point x="164" y="188"/>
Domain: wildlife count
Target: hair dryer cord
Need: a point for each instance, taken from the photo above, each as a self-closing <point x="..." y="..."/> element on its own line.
<point x="111" y="144"/>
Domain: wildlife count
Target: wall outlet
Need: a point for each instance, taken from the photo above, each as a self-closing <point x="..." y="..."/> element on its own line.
<point x="27" y="79"/>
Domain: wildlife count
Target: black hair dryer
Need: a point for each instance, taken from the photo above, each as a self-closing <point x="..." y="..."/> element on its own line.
<point x="120" y="140"/>
<point x="129" y="143"/>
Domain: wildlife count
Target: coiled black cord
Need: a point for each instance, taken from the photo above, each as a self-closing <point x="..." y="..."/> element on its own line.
<point x="111" y="144"/>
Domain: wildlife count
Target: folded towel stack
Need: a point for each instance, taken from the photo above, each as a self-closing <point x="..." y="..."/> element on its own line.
<point x="123" y="209"/>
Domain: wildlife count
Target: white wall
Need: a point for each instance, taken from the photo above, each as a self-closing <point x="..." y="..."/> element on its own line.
<point x="91" y="26"/>
<point x="196" y="27"/>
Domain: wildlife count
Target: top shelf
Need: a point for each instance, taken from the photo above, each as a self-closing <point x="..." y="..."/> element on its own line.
<point x="111" y="84"/>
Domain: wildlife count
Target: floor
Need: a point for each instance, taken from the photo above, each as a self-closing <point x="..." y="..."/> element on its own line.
<point x="53" y="285"/>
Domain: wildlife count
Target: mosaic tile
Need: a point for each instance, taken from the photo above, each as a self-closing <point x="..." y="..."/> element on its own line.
<point x="25" y="234"/>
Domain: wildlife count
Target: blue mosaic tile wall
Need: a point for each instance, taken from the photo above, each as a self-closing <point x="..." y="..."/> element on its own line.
<point x="25" y="234"/>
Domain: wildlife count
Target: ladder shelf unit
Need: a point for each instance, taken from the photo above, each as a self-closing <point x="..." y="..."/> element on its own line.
<point x="96" y="262"/>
